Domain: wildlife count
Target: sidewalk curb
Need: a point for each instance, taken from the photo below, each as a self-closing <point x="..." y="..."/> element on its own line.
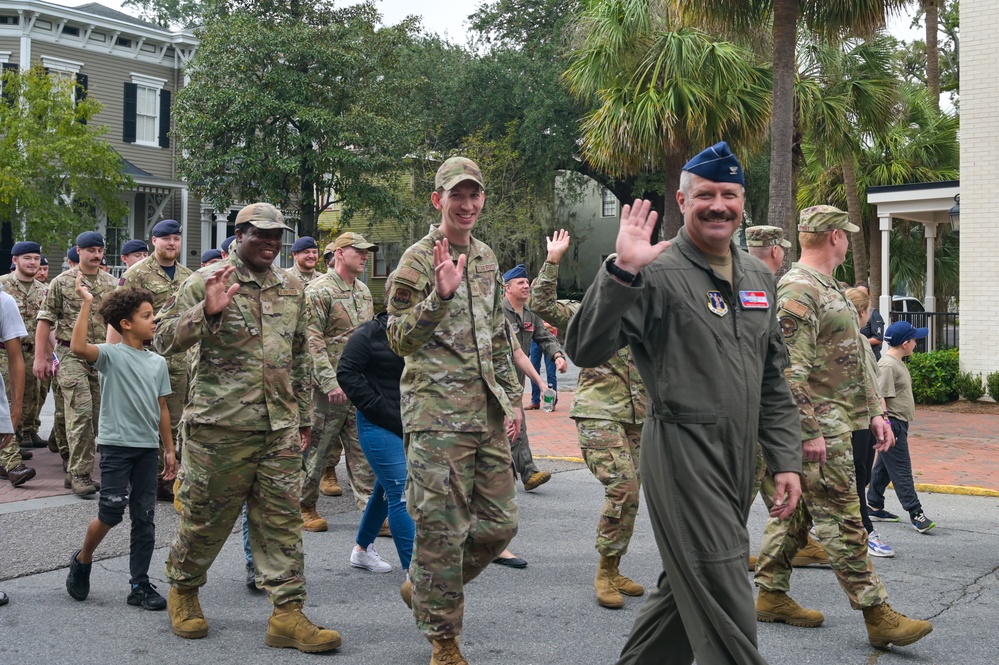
<point x="559" y="458"/>
<point x="956" y="489"/>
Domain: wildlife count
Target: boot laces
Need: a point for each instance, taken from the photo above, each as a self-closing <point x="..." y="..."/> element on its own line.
<point x="889" y="615"/>
<point x="190" y="608"/>
<point x="450" y="654"/>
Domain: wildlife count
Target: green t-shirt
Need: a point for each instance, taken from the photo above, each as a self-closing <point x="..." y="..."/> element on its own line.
<point x="132" y="383"/>
<point x="896" y="387"/>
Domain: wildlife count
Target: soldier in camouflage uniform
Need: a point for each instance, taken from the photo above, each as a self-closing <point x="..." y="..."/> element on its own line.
<point x="247" y="420"/>
<point x="162" y="274"/>
<point x="446" y="319"/>
<point x="834" y="396"/>
<point x="305" y="252"/>
<point x="340" y="302"/>
<point x="133" y="251"/>
<point x="77" y="379"/>
<point x="609" y="409"/>
<point x="12" y="331"/>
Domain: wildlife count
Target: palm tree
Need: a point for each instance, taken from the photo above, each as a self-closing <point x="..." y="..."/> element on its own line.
<point x="828" y="18"/>
<point x="662" y="93"/>
<point x="932" y="19"/>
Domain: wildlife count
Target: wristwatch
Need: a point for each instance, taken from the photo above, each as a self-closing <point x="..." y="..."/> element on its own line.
<point x="622" y="275"/>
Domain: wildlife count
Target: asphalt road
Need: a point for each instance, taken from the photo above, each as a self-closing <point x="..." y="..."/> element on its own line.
<point x="543" y="614"/>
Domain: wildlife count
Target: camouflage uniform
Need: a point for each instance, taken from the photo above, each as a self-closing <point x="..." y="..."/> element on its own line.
<point x="248" y="397"/>
<point x="337" y="310"/>
<point x="609" y="409"/>
<point x="527" y="326"/>
<point x="829" y="382"/>
<point x="77" y="378"/>
<point x="29" y="301"/>
<point x="305" y="278"/>
<point x="766" y="236"/>
<point x="456" y="388"/>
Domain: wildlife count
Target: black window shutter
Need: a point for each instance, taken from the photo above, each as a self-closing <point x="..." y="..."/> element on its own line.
<point x="6" y="97"/>
<point x="164" y="118"/>
<point x="82" y="81"/>
<point x="131" y="108"/>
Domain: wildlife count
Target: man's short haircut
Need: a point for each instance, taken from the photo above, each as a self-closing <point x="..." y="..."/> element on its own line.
<point x="123" y="304"/>
<point x="813" y="240"/>
<point x="244" y="227"/>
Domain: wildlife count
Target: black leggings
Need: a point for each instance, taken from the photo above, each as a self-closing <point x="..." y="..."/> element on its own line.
<point x="863" y="462"/>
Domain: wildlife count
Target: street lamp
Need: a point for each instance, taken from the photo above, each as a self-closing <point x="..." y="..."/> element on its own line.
<point x="955" y="213"/>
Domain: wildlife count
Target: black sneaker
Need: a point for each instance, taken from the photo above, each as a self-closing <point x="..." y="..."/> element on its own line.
<point x="881" y="515"/>
<point x="922" y="523"/>
<point x="144" y="595"/>
<point x="78" y="579"/>
<point x="251" y="578"/>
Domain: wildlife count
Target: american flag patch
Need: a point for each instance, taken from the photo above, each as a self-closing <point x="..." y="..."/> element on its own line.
<point x="754" y="300"/>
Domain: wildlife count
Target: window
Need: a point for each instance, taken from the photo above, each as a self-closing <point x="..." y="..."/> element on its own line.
<point x="385" y="259"/>
<point x="608" y="204"/>
<point x="123" y="41"/>
<point x="146" y="115"/>
<point x="147" y="112"/>
<point x="9" y="20"/>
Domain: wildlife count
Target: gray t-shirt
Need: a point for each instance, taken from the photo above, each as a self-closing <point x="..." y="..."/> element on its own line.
<point x="132" y="382"/>
<point x="11" y="327"/>
<point x="896" y="388"/>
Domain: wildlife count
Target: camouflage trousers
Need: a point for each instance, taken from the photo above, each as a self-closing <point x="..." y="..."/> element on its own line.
<point x="176" y="401"/>
<point x="460" y="493"/>
<point x="11" y="455"/>
<point x="766" y="486"/>
<point x="520" y="451"/>
<point x="610" y="450"/>
<point x="81" y="395"/>
<point x="335" y="431"/>
<point x="223" y="468"/>
<point x="831" y="495"/>
<point x="59" y="422"/>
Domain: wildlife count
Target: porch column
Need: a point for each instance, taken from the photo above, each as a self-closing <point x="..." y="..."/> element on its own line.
<point x="884" y="303"/>
<point x="930" y="231"/>
<point x="184" y="227"/>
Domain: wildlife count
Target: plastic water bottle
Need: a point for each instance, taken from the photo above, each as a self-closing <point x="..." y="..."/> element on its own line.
<point x="548" y="401"/>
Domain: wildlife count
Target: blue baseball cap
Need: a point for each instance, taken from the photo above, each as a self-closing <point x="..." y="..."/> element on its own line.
<point x="25" y="247"/>
<point x="717" y="164"/>
<point x="304" y="243"/>
<point x="901" y="332"/>
<point x="168" y="227"/>
<point x="514" y="273"/>
<point x="133" y="246"/>
<point x="89" y="239"/>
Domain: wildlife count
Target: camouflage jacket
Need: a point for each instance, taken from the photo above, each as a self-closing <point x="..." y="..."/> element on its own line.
<point x="528" y="327"/>
<point x="611" y="391"/>
<point x="337" y="311"/>
<point x="253" y="365"/>
<point x="29" y="301"/>
<point x="303" y="277"/>
<point x="62" y="305"/>
<point x="457" y="351"/>
<point x="149" y="275"/>
<point x="828" y="374"/>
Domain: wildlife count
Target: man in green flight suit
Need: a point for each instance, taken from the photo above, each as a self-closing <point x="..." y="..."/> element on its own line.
<point x="699" y="316"/>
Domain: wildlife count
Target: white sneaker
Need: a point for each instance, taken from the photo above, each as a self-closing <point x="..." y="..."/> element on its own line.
<point x="369" y="560"/>
<point x="878" y="546"/>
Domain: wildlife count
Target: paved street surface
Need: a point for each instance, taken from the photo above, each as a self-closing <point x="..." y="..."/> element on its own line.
<point x="543" y="614"/>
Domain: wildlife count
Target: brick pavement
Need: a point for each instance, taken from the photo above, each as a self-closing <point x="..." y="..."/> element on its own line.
<point x="955" y="453"/>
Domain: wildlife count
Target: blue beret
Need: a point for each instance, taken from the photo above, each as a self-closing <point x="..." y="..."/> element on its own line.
<point x="104" y="260"/>
<point x="304" y="243"/>
<point x="228" y="241"/>
<point x="45" y="260"/>
<point x="25" y="247"/>
<point x="167" y="227"/>
<point x="73" y="255"/>
<point x="717" y="164"/>
<point x="89" y="239"/>
<point x="515" y="272"/>
<point x="133" y="246"/>
<point x="211" y="255"/>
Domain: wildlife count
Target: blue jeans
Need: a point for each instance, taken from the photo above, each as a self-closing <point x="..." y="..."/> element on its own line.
<point x="895" y="465"/>
<point x="550" y="377"/>
<point x="128" y="478"/>
<point x="247" y="552"/>
<point x="387" y="456"/>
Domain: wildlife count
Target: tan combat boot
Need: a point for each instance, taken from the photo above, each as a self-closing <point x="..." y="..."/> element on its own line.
<point x="623" y="584"/>
<point x="446" y="652"/>
<point x="185" y="613"/>
<point x="811" y="554"/>
<point x="885" y="627"/>
<point x="289" y="627"/>
<point x="536" y="480"/>
<point x="778" y="607"/>
<point x="328" y="484"/>
<point x="607" y="595"/>
<point x="311" y="521"/>
<point x="406" y="591"/>
<point x="83" y="486"/>
<point x="752" y="563"/>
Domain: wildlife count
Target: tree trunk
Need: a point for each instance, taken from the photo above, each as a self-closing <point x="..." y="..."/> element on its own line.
<point x="860" y="265"/>
<point x="672" y="218"/>
<point x="932" y="9"/>
<point x="782" y="125"/>
<point x="308" y="223"/>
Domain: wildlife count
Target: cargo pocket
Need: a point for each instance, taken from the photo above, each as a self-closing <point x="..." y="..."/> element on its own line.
<point x="428" y="494"/>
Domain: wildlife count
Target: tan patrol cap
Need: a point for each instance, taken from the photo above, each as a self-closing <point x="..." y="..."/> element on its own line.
<point x="817" y="219"/>
<point x="262" y="216"/>
<point x="456" y="170"/>
<point x="349" y="239"/>
<point x="766" y="236"/>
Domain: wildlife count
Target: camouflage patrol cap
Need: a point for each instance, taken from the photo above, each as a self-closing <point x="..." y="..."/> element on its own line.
<point x="349" y="239"/>
<point x="262" y="216"/>
<point x="817" y="219"/>
<point x="456" y="170"/>
<point x="766" y="236"/>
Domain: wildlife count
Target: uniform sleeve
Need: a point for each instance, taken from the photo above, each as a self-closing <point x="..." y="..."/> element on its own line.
<point x="611" y="316"/>
<point x="301" y="365"/>
<point x="544" y="297"/>
<point x="505" y="372"/>
<point x="414" y="308"/>
<point x="182" y="322"/>
<point x="320" y="310"/>
<point x="779" y="431"/>
<point x="543" y="338"/>
<point x="52" y="305"/>
<point x="798" y="317"/>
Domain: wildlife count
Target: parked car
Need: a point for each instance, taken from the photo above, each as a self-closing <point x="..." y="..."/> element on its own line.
<point x="906" y="304"/>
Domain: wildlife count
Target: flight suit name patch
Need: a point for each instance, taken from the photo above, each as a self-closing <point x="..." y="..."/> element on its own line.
<point x="754" y="300"/>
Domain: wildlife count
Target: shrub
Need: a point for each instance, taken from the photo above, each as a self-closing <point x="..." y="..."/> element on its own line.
<point x="971" y="386"/>
<point x="935" y="376"/>
<point x="992" y="383"/>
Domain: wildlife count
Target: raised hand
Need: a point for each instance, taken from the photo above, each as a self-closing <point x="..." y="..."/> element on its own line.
<point x="81" y="289"/>
<point x="633" y="249"/>
<point x="217" y="296"/>
<point x="447" y="273"/>
<point x="557" y="244"/>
